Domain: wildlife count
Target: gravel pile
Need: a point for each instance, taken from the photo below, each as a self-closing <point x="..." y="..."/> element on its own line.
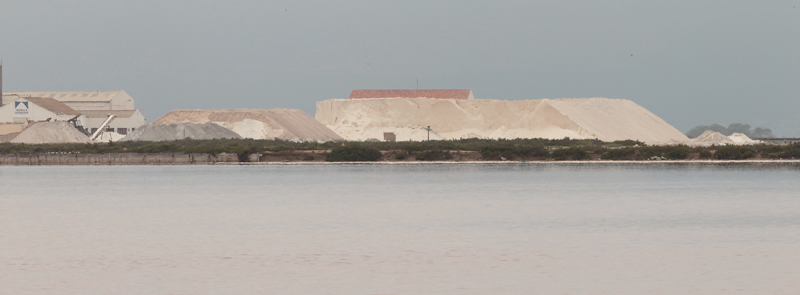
<point x="51" y="132"/>
<point x="180" y="131"/>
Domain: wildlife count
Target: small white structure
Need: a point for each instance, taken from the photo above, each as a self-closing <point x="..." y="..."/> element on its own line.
<point x="124" y="122"/>
<point x="24" y="110"/>
<point x="79" y="100"/>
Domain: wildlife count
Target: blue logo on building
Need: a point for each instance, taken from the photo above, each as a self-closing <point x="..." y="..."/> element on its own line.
<point x="21" y="107"/>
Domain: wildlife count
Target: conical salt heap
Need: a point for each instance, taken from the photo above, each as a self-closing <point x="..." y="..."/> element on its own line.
<point x="710" y="137"/>
<point x="51" y="132"/>
<point x="742" y="139"/>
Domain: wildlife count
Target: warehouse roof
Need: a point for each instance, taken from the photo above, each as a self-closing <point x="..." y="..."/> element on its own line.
<point x="410" y="93"/>
<point x="53" y="105"/>
<point x="105" y="113"/>
<point x="70" y="96"/>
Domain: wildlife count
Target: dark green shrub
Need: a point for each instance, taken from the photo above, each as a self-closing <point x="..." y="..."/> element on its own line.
<point x="401" y="155"/>
<point x="791" y="151"/>
<point x="309" y="157"/>
<point x="620" y="154"/>
<point x="677" y="152"/>
<point x="280" y="148"/>
<point x="435" y="155"/>
<point x="733" y="152"/>
<point x="627" y="142"/>
<point x="706" y="154"/>
<point x="571" y="153"/>
<point x="353" y="153"/>
<point x="511" y="152"/>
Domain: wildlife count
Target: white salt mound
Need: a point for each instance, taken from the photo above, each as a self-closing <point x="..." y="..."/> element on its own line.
<point x="710" y="137"/>
<point x="742" y="139"/>
<point x="170" y="132"/>
<point x="600" y="118"/>
<point x="286" y="124"/>
<point x="109" y="136"/>
<point x="51" y="132"/>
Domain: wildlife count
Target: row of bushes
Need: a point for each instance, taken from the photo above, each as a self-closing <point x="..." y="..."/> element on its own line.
<point x="680" y="152"/>
<point x="518" y="149"/>
<point x="216" y="146"/>
<point x="513" y="152"/>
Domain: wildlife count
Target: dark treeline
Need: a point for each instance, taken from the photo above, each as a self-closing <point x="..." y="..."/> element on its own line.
<point x="216" y="146"/>
<point x="518" y="149"/>
<point x="731" y="129"/>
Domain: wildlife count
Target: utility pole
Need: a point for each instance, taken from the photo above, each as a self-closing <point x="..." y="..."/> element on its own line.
<point x="1" y="82"/>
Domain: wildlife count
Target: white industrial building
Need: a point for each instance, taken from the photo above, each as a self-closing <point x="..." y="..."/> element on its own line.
<point x="94" y="107"/>
<point x="32" y="109"/>
<point x="125" y="120"/>
<point x="85" y="109"/>
<point x="80" y="100"/>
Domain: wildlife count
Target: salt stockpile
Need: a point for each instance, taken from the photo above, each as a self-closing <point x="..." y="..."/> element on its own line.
<point x="742" y="139"/>
<point x="8" y="137"/>
<point x="51" y="132"/>
<point x="286" y="124"/>
<point x="711" y="137"/>
<point x="600" y="118"/>
<point x="109" y="137"/>
<point x="169" y="132"/>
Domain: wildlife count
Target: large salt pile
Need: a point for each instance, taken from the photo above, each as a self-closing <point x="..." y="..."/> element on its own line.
<point x="169" y="132"/>
<point x="711" y="137"/>
<point x="742" y="139"/>
<point x="287" y="124"/>
<point x="51" y="132"/>
<point x="600" y="118"/>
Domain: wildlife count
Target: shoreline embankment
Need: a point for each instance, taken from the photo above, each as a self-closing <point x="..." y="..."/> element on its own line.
<point x="78" y="159"/>
<point x="35" y="159"/>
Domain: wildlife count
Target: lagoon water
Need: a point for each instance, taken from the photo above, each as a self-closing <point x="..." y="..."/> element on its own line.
<point x="401" y="229"/>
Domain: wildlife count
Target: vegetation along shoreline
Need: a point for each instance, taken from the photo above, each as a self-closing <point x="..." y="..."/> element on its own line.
<point x="215" y="151"/>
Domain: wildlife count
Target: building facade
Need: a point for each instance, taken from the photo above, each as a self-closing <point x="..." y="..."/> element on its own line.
<point x="124" y="122"/>
<point x="80" y="100"/>
<point x="32" y="109"/>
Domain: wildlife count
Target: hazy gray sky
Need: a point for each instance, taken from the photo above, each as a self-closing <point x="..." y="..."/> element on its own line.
<point x="690" y="62"/>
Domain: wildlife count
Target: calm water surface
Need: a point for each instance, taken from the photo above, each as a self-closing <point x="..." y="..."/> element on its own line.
<point x="401" y="229"/>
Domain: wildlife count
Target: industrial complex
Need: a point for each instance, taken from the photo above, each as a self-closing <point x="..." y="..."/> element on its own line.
<point x="366" y="115"/>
